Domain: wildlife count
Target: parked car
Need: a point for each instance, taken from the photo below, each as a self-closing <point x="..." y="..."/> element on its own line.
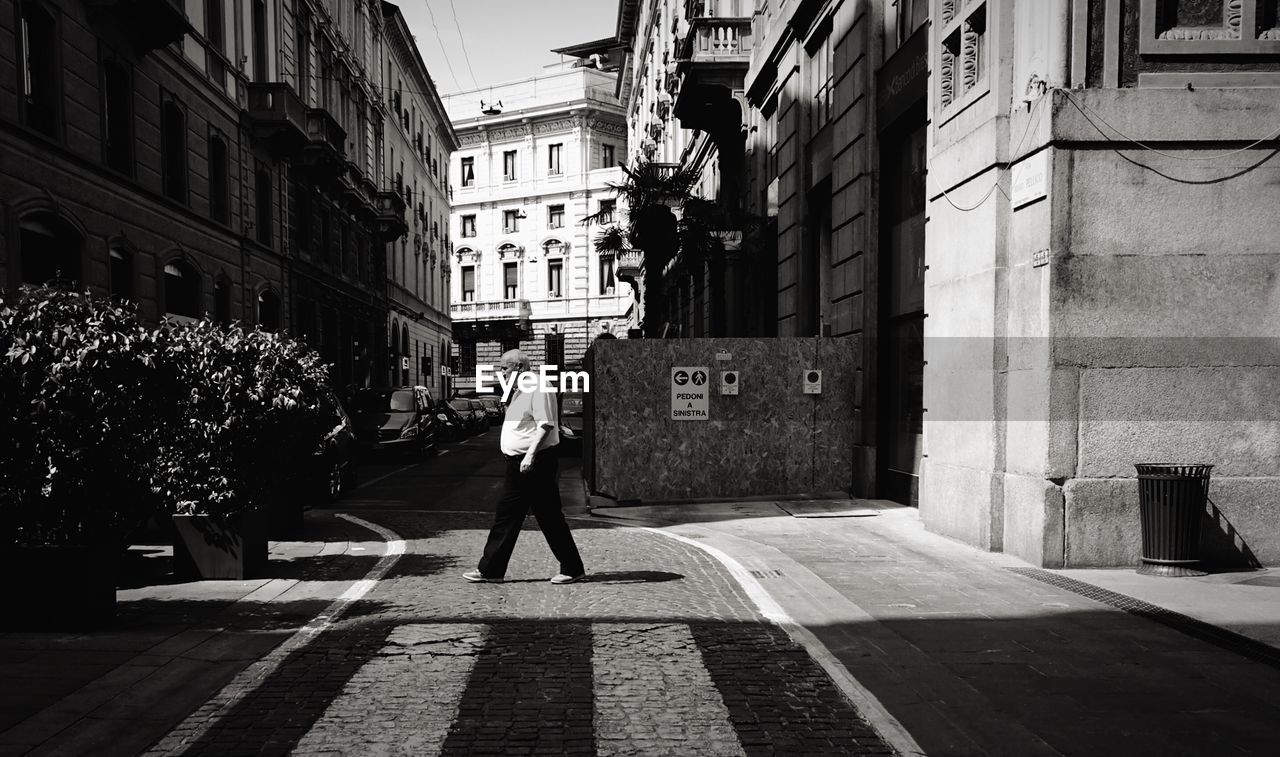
<point x="571" y="420"/>
<point x="493" y="408"/>
<point x="451" y="424"/>
<point x="395" y="419"/>
<point x="475" y="420"/>
<point x="335" y="459"/>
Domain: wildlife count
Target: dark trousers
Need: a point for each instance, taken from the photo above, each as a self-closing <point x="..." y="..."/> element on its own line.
<point x="537" y="490"/>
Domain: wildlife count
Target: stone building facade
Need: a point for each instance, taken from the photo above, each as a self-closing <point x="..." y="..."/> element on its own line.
<point x="1043" y="223"/>
<point x="536" y="158"/>
<point x="418" y="143"/>
<point x="204" y="157"/>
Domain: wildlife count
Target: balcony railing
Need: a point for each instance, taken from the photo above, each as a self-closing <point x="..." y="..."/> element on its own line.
<point x="490" y="310"/>
<point x="718" y="40"/>
<point x="278" y="114"/>
<point x="629" y="265"/>
<point x="323" y="129"/>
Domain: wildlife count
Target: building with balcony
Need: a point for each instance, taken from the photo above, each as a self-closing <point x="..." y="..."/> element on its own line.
<point x="1028" y="216"/>
<point x="536" y="159"/>
<point x="418" y="141"/>
<point x="126" y="170"/>
<point x="682" y="68"/>
<point x="207" y="157"/>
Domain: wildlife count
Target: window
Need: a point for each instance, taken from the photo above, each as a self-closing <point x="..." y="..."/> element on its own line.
<point x="607" y="160"/>
<point x="912" y="14"/>
<point x="510" y="221"/>
<point x="511" y="282"/>
<point x="301" y="30"/>
<point x="555" y="270"/>
<point x="606" y="210"/>
<point x="260" y="68"/>
<point x="50" y="250"/>
<point x="262" y="204"/>
<point x="963" y="69"/>
<point x="509" y="165"/>
<point x="468" y="226"/>
<point x="41" y="72"/>
<point x="222" y="301"/>
<point x="606" y="275"/>
<point x="173" y="150"/>
<point x="555" y="216"/>
<point x="553" y="159"/>
<point x="121" y="274"/>
<point x="215" y="36"/>
<point x="117" y="116"/>
<point x="468" y="283"/>
<point x="300" y="217"/>
<point x="820" y="85"/>
<point x="181" y="290"/>
<point x="269" y="311"/>
<point x="468" y="171"/>
<point x="218" y="183"/>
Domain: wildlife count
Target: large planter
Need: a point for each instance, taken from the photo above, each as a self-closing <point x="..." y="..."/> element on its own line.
<point x="58" y="587"/>
<point x="220" y="547"/>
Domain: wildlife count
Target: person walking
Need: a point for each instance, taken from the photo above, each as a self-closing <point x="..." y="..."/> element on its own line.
<point x="529" y="441"/>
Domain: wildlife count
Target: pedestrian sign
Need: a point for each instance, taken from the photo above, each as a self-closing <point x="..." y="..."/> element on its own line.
<point x="689" y="400"/>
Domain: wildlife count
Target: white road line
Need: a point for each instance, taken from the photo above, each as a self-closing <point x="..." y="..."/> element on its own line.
<point x="373" y="481"/>
<point x="429" y="667"/>
<point x="885" y="724"/>
<point x="251" y="677"/>
<point x="660" y="667"/>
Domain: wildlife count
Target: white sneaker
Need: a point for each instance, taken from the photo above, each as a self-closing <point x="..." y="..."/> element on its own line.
<point x="561" y="578"/>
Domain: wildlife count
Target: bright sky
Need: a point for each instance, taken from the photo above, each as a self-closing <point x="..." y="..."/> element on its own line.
<point x="506" y="40"/>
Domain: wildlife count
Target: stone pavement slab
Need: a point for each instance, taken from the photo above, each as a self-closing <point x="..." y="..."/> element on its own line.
<point x="973" y="658"/>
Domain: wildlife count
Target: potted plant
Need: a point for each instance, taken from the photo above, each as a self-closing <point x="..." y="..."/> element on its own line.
<point x="252" y="420"/>
<point x="85" y="406"/>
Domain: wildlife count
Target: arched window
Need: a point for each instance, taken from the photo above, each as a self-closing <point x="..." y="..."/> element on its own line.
<point x="269" y="310"/>
<point x="121" y="273"/>
<point x="181" y="290"/>
<point x="222" y="301"/>
<point x="50" y="249"/>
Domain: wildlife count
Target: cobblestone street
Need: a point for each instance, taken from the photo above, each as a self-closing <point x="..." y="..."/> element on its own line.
<point x="657" y="652"/>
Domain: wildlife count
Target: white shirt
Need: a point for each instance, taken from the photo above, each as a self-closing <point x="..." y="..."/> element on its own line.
<point x="526" y="412"/>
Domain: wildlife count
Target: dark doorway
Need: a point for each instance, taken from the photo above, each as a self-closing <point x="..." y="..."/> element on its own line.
<point x="900" y="405"/>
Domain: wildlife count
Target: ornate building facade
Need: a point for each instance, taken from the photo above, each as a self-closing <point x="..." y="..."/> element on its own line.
<point x="536" y="158"/>
<point x="418" y="142"/>
<point x="204" y="157"/>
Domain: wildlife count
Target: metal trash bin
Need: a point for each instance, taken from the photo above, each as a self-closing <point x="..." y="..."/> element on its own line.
<point x="1171" y="500"/>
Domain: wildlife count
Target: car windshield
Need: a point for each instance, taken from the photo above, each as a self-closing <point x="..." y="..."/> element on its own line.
<point x="385" y="401"/>
<point x="571" y="404"/>
<point x="460" y="404"/>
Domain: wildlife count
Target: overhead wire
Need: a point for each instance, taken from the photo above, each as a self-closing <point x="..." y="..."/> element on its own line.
<point x="431" y="14"/>
<point x="465" y="56"/>
<point x="1033" y="118"/>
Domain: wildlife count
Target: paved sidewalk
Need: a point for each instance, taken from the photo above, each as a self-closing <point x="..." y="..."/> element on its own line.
<point x="974" y="658"/>
<point x="115" y="690"/>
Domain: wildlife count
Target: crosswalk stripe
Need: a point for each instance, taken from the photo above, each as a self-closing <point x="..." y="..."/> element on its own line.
<point x="406" y="698"/>
<point x="652" y="689"/>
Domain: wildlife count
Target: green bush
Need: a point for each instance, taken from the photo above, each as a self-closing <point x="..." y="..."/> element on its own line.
<point x="253" y="412"/>
<point x="83" y="407"/>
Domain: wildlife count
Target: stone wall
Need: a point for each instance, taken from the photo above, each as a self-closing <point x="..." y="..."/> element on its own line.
<point x="769" y="439"/>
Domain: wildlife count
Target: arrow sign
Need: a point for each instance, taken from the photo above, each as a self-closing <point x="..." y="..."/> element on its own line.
<point x="689" y="399"/>
<point x="681" y="378"/>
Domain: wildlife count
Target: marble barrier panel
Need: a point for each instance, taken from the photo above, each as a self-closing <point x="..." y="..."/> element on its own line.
<point x="769" y="439"/>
